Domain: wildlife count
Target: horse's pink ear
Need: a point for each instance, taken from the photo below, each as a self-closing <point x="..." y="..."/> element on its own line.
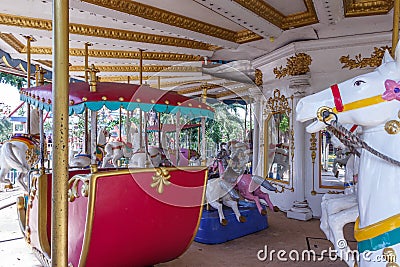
<point x="387" y="57"/>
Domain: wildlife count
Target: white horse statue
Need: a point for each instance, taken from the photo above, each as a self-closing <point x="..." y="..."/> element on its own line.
<point x="371" y="101"/>
<point x="21" y="152"/>
<point x="79" y="160"/>
<point x="339" y="210"/>
<point x="116" y="150"/>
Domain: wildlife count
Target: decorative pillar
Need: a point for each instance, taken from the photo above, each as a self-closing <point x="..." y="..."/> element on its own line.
<point x="298" y="85"/>
<point x="257" y="118"/>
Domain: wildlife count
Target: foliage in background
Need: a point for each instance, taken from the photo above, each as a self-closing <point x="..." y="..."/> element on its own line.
<point x="284" y="124"/>
<point x="5" y="130"/>
<point x="12" y="80"/>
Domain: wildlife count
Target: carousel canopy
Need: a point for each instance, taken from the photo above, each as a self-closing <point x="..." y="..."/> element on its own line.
<point x="116" y="95"/>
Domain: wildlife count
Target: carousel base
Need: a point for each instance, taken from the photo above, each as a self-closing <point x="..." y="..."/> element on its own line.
<point x="211" y="231"/>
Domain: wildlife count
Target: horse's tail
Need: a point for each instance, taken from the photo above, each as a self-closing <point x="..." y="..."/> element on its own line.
<point x="264" y="183"/>
<point x="8" y="150"/>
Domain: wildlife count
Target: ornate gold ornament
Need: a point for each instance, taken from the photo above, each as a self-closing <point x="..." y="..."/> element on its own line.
<point x="389" y="255"/>
<point x="359" y="62"/>
<point x="356" y="8"/>
<point x="149" y="68"/>
<point x="296" y="65"/>
<point x="270" y="14"/>
<point x="258" y="77"/>
<point x="173" y="19"/>
<point x="392" y="127"/>
<point x="161" y="178"/>
<point x="278" y="103"/>
<point x="81" y="29"/>
<point x="73" y="187"/>
<point x="32" y="155"/>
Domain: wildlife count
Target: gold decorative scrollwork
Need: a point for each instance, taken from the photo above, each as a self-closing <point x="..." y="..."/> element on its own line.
<point x="359" y="62"/>
<point x="258" y="77"/>
<point x="296" y="65"/>
<point x="278" y="103"/>
<point x="161" y="178"/>
<point x="73" y="187"/>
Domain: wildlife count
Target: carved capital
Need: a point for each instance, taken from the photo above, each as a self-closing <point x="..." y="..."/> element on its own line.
<point x="298" y="64"/>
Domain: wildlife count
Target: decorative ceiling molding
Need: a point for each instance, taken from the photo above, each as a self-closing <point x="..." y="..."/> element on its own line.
<point x="356" y="8"/>
<point x="87" y="30"/>
<point x="296" y="65"/>
<point x="198" y="88"/>
<point x="231" y="92"/>
<point x="373" y="61"/>
<point x="149" y="68"/>
<point x="173" y="19"/>
<point x="12" y="41"/>
<point x="270" y="14"/>
<point x="131" y="78"/>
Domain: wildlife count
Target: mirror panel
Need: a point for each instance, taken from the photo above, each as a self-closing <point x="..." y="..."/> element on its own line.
<point x="333" y="158"/>
<point x="278" y="139"/>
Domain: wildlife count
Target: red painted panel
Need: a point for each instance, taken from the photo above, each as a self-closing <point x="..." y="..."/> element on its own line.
<point x="136" y="226"/>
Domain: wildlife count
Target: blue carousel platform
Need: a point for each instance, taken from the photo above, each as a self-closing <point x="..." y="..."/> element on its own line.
<point x="212" y="232"/>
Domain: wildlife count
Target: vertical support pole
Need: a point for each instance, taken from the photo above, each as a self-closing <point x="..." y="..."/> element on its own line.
<point x="59" y="222"/>
<point x="28" y="78"/>
<point x="395" y="33"/>
<point x="158" y="82"/>
<point x="86" y="130"/>
<point x="120" y="124"/>
<point x="141" y="66"/>
<point x="177" y="135"/>
<point x="40" y="81"/>
<point x="203" y="129"/>
<point x="141" y="112"/>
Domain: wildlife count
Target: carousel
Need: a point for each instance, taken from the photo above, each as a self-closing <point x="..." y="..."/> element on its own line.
<point x="113" y="212"/>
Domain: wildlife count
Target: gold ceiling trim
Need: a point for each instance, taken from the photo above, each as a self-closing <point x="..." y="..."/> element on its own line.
<point x="373" y="61"/>
<point x="198" y="88"/>
<point x="296" y="65"/>
<point x="356" y="8"/>
<point x="131" y="78"/>
<point x="150" y="68"/>
<point x="87" y="30"/>
<point x="12" y="41"/>
<point x="270" y="14"/>
<point x="173" y="19"/>
<point x="47" y="63"/>
<point x="120" y="54"/>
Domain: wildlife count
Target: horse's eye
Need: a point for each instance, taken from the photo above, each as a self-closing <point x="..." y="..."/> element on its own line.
<point x="358" y="82"/>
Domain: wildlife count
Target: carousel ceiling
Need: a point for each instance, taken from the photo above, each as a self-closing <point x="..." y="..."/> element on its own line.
<point x="178" y="36"/>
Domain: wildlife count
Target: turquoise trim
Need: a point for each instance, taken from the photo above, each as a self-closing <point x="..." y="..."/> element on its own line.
<point x="387" y="239"/>
<point x="114" y="105"/>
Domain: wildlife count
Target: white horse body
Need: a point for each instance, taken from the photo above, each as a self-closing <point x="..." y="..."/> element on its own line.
<point x="13" y="153"/>
<point x="379" y="183"/>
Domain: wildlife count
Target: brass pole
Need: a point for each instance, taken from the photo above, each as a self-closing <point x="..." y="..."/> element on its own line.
<point x="86" y="129"/>
<point x="395" y="33"/>
<point x="177" y="136"/>
<point x="203" y="128"/>
<point x="120" y="124"/>
<point x="159" y="82"/>
<point x="40" y="81"/>
<point x="59" y="222"/>
<point x="28" y="78"/>
<point x="141" y="66"/>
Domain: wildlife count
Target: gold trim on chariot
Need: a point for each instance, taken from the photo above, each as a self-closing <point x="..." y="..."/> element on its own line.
<point x="376" y="229"/>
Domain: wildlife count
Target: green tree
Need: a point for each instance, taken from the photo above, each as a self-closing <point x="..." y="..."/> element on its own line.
<point x="13" y="80"/>
<point x="5" y="129"/>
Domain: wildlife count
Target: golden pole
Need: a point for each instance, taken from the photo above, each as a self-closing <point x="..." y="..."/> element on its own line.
<point x="141" y="66"/>
<point x="395" y="33"/>
<point x="40" y="81"/>
<point x="28" y="78"/>
<point x="159" y="82"/>
<point x="203" y="128"/>
<point x="86" y="130"/>
<point x="59" y="222"/>
<point x="141" y="113"/>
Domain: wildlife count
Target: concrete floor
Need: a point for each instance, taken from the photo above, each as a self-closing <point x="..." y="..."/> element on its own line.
<point x="283" y="233"/>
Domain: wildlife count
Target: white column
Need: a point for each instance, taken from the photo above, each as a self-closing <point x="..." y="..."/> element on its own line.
<point x="257" y="123"/>
<point x="298" y="86"/>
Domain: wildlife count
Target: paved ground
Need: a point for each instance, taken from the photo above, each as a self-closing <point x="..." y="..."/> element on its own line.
<point x="283" y="233"/>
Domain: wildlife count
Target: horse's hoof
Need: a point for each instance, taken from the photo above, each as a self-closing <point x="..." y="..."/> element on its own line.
<point x="224" y="222"/>
<point x="8" y="186"/>
<point x="276" y="209"/>
<point x="242" y="219"/>
<point x="263" y="212"/>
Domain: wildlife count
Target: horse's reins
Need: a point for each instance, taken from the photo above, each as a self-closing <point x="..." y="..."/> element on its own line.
<point x="347" y="137"/>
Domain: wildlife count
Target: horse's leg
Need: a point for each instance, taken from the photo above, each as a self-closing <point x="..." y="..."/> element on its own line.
<point x="264" y="196"/>
<point x="218" y="206"/>
<point x="106" y="158"/>
<point x="3" y="173"/>
<point x="324" y="226"/>
<point x="249" y="196"/>
<point x="233" y="205"/>
<point x="337" y="222"/>
<point x="20" y="180"/>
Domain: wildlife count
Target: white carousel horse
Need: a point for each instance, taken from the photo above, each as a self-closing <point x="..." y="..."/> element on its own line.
<point x="372" y="101"/>
<point x="339" y="210"/>
<point x="222" y="189"/>
<point x="117" y="149"/>
<point x="21" y="152"/>
<point x="80" y="160"/>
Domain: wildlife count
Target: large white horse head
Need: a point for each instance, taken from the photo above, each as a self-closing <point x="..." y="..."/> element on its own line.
<point x="367" y="100"/>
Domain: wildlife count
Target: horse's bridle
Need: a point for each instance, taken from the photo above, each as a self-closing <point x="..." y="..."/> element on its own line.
<point x="325" y="113"/>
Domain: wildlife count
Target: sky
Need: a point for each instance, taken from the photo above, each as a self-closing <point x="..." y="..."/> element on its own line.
<point x="9" y="95"/>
